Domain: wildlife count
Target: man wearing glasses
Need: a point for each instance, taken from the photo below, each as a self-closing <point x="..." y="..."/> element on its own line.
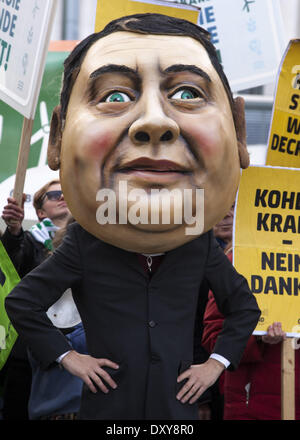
<point x="27" y="249"/>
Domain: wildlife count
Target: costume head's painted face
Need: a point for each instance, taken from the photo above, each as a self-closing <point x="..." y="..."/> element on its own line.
<point x="147" y="112"/>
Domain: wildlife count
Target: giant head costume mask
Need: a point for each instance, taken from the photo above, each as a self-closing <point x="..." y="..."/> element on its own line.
<point x="146" y="106"/>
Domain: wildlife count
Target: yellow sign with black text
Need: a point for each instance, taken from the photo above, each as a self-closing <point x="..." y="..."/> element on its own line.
<point x="284" y="136"/>
<point x="108" y="10"/>
<point x="267" y="243"/>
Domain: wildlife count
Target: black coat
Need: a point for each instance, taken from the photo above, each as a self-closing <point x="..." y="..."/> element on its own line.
<point x="144" y="325"/>
<point x="24" y="251"/>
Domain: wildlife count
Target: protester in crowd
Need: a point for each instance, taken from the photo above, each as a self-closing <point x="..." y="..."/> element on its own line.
<point x="212" y="407"/>
<point x="55" y="393"/>
<point x="27" y="249"/>
<point x="149" y="121"/>
<point x="253" y="390"/>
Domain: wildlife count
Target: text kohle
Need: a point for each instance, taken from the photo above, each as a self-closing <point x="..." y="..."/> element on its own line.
<point x="284" y="263"/>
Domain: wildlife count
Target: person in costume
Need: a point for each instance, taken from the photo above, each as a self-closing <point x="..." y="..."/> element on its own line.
<point x="144" y="105"/>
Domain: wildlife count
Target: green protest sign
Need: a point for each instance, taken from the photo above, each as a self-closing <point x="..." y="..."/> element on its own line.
<point x="38" y="172"/>
<point x="9" y="278"/>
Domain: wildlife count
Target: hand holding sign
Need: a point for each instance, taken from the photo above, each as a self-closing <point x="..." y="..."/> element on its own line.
<point x="13" y="215"/>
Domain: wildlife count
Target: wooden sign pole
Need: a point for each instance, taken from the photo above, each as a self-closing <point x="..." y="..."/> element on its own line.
<point x="287" y="380"/>
<point x="22" y="160"/>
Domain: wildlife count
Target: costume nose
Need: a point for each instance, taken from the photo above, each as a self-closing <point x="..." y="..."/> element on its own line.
<point x="153" y="126"/>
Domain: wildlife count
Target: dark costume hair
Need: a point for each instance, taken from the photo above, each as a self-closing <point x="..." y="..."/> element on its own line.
<point x="155" y="24"/>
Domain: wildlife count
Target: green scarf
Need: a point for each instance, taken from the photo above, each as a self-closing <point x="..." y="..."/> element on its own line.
<point x="44" y="232"/>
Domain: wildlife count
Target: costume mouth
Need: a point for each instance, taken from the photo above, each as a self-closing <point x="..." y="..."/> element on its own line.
<point x="145" y="164"/>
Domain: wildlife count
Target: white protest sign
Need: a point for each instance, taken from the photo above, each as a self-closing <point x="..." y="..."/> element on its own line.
<point x="25" y="27"/>
<point x="249" y="36"/>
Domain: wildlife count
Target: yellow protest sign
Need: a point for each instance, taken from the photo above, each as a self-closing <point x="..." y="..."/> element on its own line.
<point x="284" y="136"/>
<point x="267" y="243"/>
<point x="108" y="10"/>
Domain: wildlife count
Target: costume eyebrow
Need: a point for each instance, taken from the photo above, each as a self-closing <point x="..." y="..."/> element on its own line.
<point x="114" y="68"/>
<point x="176" y="68"/>
<point x="111" y="68"/>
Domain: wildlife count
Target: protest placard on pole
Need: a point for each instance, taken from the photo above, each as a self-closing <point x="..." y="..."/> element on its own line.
<point x="25" y="28"/>
<point x="252" y="30"/>
<point x="284" y="150"/>
<point x="266" y="251"/>
<point x="284" y="135"/>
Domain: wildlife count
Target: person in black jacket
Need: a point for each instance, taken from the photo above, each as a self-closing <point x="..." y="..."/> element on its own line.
<point x="132" y="115"/>
<point x="27" y="249"/>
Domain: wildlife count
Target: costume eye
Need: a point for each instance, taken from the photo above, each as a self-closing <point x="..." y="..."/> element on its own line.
<point x="186" y="93"/>
<point x="117" y="97"/>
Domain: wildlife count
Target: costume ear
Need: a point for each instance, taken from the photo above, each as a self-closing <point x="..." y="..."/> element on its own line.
<point x="54" y="145"/>
<point x="240" y="127"/>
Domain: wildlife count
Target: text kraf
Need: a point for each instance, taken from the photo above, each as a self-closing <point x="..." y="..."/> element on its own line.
<point x="275" y="199"/>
